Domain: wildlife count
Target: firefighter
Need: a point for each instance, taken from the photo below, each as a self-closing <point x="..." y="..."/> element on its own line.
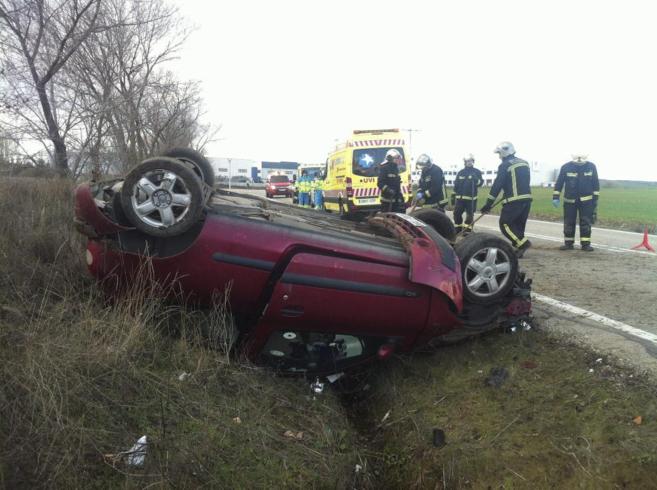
<point x="432" y="192"/>
<point x="581" y="188"/>
<point x="303" y="186"/>
<point x="464" y="198"/>
<point x="513" y="178"/>
<point x="389" y="183"/>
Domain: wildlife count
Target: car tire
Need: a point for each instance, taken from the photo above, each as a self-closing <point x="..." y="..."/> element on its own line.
<point x="489" y="267"/>
<point x="200" y="164"/>
<point x="437" y="220"/>
<point x="157" y="207"/>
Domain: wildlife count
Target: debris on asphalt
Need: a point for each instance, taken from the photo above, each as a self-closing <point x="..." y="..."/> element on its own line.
<point x="439" y="438"/>
<point x="497" y="377"/>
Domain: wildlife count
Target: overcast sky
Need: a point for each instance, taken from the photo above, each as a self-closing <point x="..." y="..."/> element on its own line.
<point x="287" y="78"/>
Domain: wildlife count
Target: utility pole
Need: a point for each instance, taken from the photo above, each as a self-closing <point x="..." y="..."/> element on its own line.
<point x="230" y="173"/>
<point x="410" y="142"/>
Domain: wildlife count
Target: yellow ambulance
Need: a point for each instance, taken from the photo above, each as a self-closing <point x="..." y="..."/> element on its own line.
<point x="352" y="169"/>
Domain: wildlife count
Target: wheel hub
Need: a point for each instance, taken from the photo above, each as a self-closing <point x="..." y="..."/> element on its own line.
<point x="162" y="198"/>
<point x="488" y="272"/>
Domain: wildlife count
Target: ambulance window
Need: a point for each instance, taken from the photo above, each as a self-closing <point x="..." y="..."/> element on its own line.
<point x="366" y="161"/>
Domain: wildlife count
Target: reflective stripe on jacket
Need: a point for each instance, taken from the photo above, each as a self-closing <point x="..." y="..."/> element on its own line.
<point x="579" y="181"/>
<point x="513" y="178"/>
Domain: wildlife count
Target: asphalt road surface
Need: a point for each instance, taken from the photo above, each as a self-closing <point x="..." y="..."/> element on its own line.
<point x="552" y="232"/>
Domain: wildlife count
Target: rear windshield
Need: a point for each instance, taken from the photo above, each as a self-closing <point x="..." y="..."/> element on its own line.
<point x="367" y="160"/>
<point x="277" y="179"/>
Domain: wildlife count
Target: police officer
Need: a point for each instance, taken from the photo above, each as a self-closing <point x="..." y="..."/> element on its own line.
<point x="513" y="178"/>
<point x="464" y="198"/>
<point x="581" y="188"/>
<point x="389" y="183"/>
<point x="432" y="192"/>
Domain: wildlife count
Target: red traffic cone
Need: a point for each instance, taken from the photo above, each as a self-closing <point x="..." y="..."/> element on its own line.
<point x="645" y="243"/>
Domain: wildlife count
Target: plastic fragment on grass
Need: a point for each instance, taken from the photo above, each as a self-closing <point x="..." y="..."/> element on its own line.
<point x="137" y="453"/>
<point x="183" y="376"/>
<point x="439" y="438"/>
<point x="638" y="420"/>
<point x="293" y="435"/>
<point x="332" y="378"/>
<point x="317" y="387"/>
<point x="237" y="420"/>
<point x="358" y="468"/>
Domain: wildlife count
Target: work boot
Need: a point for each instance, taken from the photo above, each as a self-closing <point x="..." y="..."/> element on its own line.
<point x="566" y="246"/>
<point x="520" y="251"/>
<point x="587" y="247"/>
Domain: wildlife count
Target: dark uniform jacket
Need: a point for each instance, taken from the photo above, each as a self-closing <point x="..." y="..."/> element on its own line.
<point x="579" y="182"/>
<point x="432" y="185"/>
<point x="513" y="177"/>
<point x="389" y="182"/>
<point x="466" y="183"/>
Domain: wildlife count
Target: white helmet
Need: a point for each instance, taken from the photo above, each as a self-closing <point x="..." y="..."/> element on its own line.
<point x="423" y="161"/>
<point x="392" y="155"/>
<point x="505" y="148"/>
<point x="469" y="159"/>
<point x="579" y="157"/>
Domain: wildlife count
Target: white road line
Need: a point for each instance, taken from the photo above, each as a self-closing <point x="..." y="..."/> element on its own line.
<point x="608" y="322"/>
<point x="594" y="228"/>
<point x="609" y="248"/>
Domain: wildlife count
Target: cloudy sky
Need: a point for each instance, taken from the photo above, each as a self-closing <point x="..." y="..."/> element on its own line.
<point x="286" y="78"/>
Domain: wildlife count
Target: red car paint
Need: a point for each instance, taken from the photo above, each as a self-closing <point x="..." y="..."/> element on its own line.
<point x="286" y="275"/>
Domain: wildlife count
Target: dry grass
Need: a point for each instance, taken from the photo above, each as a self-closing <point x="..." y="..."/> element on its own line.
<point x="83" y="379"/>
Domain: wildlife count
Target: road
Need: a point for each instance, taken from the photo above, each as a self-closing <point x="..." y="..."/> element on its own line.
<point x="552" y="232"/>
<point x="605" y="299"/>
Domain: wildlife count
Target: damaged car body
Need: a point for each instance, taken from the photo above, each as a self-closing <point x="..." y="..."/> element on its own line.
<point x="310" y="292"/>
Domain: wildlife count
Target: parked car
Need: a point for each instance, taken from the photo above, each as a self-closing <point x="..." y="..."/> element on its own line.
<point x="241" y="180"/>
<point x="279" y="185"/>
<point x="310" y="292"/>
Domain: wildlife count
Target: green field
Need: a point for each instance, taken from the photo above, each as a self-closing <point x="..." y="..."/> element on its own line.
<point x="619" y="207"/>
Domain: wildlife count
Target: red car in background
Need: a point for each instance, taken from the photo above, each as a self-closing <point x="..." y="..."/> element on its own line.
<point x="310" y="292"/>
<point x="279" y="185"/>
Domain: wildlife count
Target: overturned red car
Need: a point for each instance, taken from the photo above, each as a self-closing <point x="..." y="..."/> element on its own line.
<point x="310" y="292"/>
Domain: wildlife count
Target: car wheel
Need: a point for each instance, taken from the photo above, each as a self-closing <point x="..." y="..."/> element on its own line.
<point x="199" y="163"/>
<point x="437" y="220"/>
<point x="489" y="266"/>
<point x="162" y="197"/>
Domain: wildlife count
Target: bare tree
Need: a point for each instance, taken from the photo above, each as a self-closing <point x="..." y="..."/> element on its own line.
<point x="42" y="36"/>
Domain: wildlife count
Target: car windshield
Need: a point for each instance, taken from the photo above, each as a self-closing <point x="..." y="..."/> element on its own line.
<point x="277" y="179"/>
<point x="367" y="160"/>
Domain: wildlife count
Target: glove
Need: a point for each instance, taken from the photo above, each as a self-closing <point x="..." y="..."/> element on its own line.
<point x="452" y="199"/>
<point x="419" y="196"/>
<point x="486" y="208"/>
<point x="388" y="193"/>
<point x="555" y="203"/>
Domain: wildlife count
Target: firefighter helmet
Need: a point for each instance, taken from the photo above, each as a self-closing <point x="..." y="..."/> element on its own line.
<point x="505" y="149"/>
<point x="392" y="155"/>
<point x="579" y="157"/>
<point x="423" y="161"/>
<point x="469" y="159"/>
